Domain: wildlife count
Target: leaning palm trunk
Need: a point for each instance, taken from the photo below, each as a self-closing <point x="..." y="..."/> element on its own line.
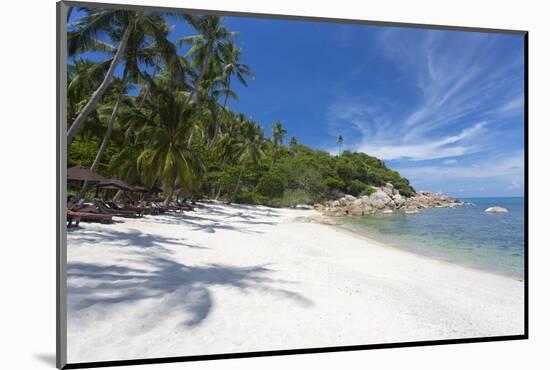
<point x="141" y="103"/>
<point x="238" y="183"/>
<point x="227" y="93"/>
<point x="216" y="125"/>
<point x="168" y="198"/>
<point x="107" y="136"/>
<point x="170" y="193"/>
<point x="220" y="182"/>
<point x="274" y="159"/>
<point x="201" y="76"/>
<point x="71" y="133"/>
<point x="190" y="140"/>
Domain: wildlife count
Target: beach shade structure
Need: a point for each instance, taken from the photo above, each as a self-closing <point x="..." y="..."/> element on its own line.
<point x="115" y="184"/>
<point x="81" y="173"/>
<point x="138" y="188"/>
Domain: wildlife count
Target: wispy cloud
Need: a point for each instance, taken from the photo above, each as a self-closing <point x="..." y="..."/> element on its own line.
<point x="510" y="169"/>
<point x="514" y="105"/>
<point x="449" y="146"/>
<point x="453" y="92"/>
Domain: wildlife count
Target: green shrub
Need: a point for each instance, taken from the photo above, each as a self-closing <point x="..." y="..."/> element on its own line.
<point x="367" y="191"/>
<point x="291" y="198"/>
<point x="246" y="198"/>
<point x="334" y="183"/>
<point x="356" y="187"/>
<point x="271" y="185"/>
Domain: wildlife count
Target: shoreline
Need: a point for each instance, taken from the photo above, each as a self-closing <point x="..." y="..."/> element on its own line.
<point x="238" y="278"/>
<point x="387" y="244"/>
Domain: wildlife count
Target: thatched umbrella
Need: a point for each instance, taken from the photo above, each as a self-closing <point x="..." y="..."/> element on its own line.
<point x="81" y="173"/>
<point x="114" y="184"/>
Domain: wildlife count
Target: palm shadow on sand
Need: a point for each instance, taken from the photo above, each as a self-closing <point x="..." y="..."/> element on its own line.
<point x="181" y="287"/>
<point x="204" y="222"/>
<point x="130" y="238"/>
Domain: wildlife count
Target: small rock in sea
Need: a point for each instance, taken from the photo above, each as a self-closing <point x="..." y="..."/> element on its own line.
<point x="411" y="210"/>
<point x="496" y="210"/>
<point x="303" y="206"/>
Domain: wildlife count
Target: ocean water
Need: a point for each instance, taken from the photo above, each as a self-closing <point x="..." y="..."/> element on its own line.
<point x="465" y="235"/>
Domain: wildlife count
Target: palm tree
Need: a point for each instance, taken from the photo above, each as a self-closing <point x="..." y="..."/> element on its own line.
<point x="135" y="33"/>
<point x="277" y="139"/>
<point x="293" y="143"/>
<point x="340" y="141"/>
<point x="82" y="75"/>
<point x="84" y="36"/>
<point x="167" y="156"/>
<point x="137" y="53"/>
<point x="231" y="55"/>
<point x="159" y="55"/>
<point x="206" y="45"/>
<point x="249" y="148"/>
<point x="226" y="145"/>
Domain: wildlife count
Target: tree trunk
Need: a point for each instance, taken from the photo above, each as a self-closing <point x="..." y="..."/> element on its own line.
<point x="190" y="140"/>
<point x="107" y="136"/>
<point x="274" y="159"/>
<point x="71" y="133"/>
<point x="170" y="193"/>
<point x="220" y="182"/>
<point x="216" y="125"/>
<point x="238" y="182"/>
<point x="131" y="127"/>
<point x="168" y="197"/>
<point x="199" y="80"/>
<point x="227" y="94"/>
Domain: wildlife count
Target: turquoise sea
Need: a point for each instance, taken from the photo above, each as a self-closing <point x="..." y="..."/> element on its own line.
<point x="466" y="235"/>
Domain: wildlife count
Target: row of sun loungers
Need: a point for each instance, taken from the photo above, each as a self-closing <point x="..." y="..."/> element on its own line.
<point x="104" y="211"/>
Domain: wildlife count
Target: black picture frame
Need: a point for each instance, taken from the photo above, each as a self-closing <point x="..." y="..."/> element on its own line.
<point x="61" y="255"/>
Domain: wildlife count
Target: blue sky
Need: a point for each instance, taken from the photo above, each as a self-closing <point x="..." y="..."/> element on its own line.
<point x="444" y="108"/>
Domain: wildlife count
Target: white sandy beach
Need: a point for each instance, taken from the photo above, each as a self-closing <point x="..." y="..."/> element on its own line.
<point x="237" y="278"/>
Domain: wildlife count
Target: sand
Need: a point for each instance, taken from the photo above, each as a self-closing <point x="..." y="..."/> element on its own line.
<point x="225" y="279"/>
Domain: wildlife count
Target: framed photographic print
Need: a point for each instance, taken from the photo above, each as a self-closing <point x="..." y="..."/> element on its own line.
<point x="234" y="185"/>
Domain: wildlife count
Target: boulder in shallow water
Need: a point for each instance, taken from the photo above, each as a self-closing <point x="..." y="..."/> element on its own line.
<point x="411" y="210"/>
<point x="355" y="210"/>
<point x="496" y="210"/>
<point x="303" y="206"/>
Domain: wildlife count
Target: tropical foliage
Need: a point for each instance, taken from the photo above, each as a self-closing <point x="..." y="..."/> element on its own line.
<point x="163" y="120"/>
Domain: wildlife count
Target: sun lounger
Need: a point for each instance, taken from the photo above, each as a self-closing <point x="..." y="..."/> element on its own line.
<point x="105" y="208"/>
<point x="139" y="209"/>
<point x="76" y="217"/>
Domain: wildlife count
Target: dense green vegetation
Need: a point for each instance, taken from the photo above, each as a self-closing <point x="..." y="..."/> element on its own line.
<point x="165" y="121"/>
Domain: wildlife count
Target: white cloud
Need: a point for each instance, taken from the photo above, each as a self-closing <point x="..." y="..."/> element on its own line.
<point x="505" y="168"/>
<point x="454" y="90"/>
<point x="449" y="146"/>
<point x="445" y="103"/>
<point x="514" y="105"/>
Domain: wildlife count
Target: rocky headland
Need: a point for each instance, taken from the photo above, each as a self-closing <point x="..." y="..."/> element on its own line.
<point x="385" y="199"/>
